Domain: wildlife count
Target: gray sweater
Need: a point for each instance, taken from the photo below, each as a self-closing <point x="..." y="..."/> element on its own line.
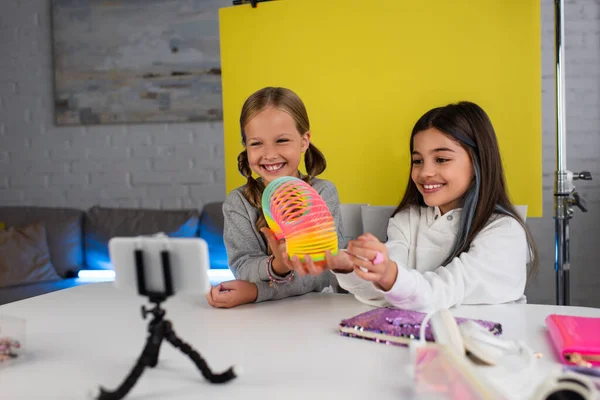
<point x="247" y="250"/>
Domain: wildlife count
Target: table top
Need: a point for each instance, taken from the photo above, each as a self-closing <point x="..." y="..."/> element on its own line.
<point x="91" y="335"/>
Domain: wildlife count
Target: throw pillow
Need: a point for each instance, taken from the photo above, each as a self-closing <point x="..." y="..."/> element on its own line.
<point x="24" y="256"/>
<point x="64" y="232"/>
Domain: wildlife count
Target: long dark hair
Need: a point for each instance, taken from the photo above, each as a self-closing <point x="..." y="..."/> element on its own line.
<point x="469" y="125"/>
<point x="288" y="101"/>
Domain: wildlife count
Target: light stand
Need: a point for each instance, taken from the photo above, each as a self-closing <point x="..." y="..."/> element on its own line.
<point x="565" y="196"/>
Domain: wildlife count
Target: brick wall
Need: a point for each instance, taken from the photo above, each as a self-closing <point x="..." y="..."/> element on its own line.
<point x="149" y="165"/>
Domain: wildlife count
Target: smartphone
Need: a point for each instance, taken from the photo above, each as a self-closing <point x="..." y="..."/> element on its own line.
<point x="188" y="259"/>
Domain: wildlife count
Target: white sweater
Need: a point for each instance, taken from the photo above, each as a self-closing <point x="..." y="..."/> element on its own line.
<point x="493" y="271"/>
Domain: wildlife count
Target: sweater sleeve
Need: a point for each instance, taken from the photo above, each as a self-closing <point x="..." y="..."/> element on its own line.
<point x="492" y="271"/>
<point x="246" y="249"/>
<point x="247" y="254"/>
<point x="397" y="245"/>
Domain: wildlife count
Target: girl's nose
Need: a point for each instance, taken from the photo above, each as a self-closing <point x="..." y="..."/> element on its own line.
<point x="427" y="170"/>
<point x="269" y="153"/>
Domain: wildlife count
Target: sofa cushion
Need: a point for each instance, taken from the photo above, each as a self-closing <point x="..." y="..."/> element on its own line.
<point x="352" y="226"/>
<point x="375" y="220"/>
<point x="101" y="224"/>
<point x="25" y="256"/>
<point x="63" y="230"/>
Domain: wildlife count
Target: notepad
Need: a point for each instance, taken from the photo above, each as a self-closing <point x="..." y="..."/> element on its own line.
<point x="396" y="326"/>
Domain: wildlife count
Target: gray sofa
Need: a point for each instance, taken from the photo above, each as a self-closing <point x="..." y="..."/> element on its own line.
<point x="59" y="242"/>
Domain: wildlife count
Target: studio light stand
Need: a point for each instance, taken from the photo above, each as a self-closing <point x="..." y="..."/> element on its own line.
<point x="565" y="196"/>
<point x="159" y="329"/>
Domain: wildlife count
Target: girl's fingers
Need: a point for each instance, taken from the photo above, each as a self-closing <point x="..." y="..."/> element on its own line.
<point x="224" y="297"/>
<point x="305" y="266"/>
<point x="312" y="268"/>
<point x="285" y="259"/>
<point x="366" y="254"/>
<point x="341" y="262"/>
<point x="214" y="292"/>
<point x="214" y="302"/>
<point x="229" y="285"/>
<point x="366" y="244"/>
<point x="268" y="233"/>
<point x="294" y="264"/>
<point x="272" y="242"/>
<point x="367" y="275"/>
<point x="209" y="299"/>
<point x="297" y="266"/>
<point x="370" y="237"/>
<point x="330" y="260"/>
<point x="360" y="262"/>
<point x="368" y="266"/>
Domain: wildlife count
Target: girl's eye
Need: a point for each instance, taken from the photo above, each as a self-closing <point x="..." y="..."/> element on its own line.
<point x="416" y="162"/>
<point x="255" y="144"/>
<point x="283" y="140"/>
<point x="441" y="160"/>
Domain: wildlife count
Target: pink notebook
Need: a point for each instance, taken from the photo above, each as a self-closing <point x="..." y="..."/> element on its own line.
<point x="576" y="339"/>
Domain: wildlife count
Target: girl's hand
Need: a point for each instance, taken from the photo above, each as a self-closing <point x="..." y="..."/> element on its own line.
<point x="363" y="251"/>
<point x="281" y="263"/>
<point x="232" y="293"/>
<point x="340" y="263"/>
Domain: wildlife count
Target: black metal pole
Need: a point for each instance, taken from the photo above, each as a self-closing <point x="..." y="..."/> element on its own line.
<point x="562" y="212"/>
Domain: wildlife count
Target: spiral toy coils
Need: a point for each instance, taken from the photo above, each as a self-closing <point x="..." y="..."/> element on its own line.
<point x="295" y="212"/>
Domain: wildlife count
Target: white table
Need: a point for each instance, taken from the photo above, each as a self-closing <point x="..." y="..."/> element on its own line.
<point x="92" y="334"/>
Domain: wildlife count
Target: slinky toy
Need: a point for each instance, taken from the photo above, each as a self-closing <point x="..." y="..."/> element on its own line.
<point x="295" y="212"/>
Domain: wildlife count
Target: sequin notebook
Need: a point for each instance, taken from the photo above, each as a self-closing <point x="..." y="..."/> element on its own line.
<point x="396" y="326"/>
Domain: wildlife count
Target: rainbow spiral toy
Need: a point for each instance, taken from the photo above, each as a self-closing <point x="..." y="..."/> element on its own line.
<point x="295" y="212"/>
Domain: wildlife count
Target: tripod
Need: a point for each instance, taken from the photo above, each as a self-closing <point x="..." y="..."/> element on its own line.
<point x="159" y="329"/>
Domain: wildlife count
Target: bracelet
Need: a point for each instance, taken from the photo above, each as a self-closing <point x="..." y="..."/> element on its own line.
<point x="272" y="279"/>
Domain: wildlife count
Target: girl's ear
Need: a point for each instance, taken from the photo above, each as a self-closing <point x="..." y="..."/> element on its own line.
<point x="305" y="141"/>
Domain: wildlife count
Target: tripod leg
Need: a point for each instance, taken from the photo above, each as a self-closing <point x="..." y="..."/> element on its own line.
<point x="148" y="358"/>
<point x="196" y="357"/>
<point x="156" y="337"/>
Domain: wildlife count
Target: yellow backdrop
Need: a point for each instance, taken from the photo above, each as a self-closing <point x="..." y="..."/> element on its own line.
<point x="367" y="70"/>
